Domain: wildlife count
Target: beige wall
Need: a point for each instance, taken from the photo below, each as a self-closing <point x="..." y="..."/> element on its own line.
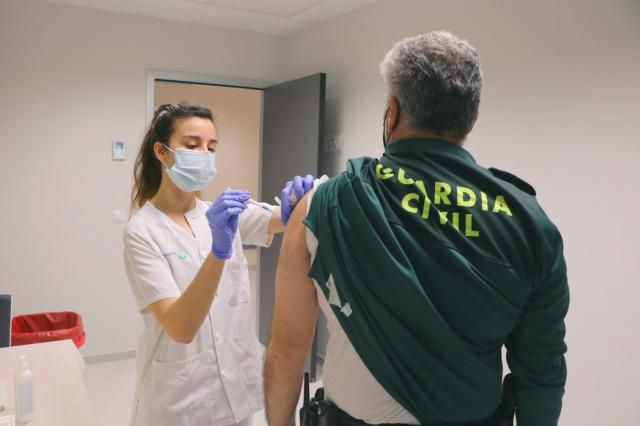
<point x="71" y="80"/>
<point x="560" y="109"/>
<point x="238" y="117"/>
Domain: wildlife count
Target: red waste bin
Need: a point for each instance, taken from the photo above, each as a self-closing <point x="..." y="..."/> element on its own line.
<point x="47" y="327"/>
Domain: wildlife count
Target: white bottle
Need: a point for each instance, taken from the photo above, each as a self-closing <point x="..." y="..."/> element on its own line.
<point x="24" y="392"/>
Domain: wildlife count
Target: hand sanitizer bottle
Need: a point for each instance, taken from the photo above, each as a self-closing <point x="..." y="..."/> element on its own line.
<point x="24" y="392"/>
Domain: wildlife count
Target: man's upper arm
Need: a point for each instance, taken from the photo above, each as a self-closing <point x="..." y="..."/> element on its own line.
<point x="296" y="305"/>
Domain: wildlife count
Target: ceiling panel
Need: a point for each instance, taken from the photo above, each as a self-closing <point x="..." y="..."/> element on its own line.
<point x="281" y="8"/>
<point x="264" y="16"/>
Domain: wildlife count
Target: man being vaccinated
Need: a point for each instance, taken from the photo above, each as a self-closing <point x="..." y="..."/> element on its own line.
<point x="425" y="264"/>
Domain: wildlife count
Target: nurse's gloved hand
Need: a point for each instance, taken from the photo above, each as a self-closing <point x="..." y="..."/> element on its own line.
<point x="293" y="192"/>
<point x="223" y="220"/>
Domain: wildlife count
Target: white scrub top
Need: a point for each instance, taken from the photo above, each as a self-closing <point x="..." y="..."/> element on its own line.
<point x="347" y="380"/>
<point x="216" y="379"/>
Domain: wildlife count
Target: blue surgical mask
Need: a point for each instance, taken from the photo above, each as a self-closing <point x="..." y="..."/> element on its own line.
<point x="192" y="170"/>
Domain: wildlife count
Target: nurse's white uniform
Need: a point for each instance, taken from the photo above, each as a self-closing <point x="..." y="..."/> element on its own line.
<point x="216" y="379"/>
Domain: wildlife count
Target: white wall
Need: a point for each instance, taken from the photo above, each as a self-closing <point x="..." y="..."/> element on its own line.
<point x="71" y="80"/>
<point x="560" y="109"/>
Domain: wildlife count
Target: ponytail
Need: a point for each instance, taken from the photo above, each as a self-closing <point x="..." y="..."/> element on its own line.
<point x="147" y="170"/>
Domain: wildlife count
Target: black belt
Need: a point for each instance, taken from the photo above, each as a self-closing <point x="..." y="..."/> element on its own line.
<point x="321" y="412"/>
<point x="344" y="419"/>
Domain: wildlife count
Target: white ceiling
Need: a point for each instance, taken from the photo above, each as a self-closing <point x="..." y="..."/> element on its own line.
<point x="265" y="16"/>
<point x="281" y="8"/>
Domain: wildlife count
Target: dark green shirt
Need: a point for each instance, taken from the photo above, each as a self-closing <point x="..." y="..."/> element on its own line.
<point x="438" y="263"/>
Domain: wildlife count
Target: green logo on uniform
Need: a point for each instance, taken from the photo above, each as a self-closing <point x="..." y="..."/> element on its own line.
<point x="182" y="254"/>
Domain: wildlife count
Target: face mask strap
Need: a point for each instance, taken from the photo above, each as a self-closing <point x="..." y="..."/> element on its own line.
<point x="171" y="150"/>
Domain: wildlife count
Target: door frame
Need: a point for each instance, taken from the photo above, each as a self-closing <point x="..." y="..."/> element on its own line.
<point x="186" y="77"/>
<point x="154" y="75"/>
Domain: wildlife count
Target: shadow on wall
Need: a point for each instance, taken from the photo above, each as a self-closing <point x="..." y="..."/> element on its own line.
<point x="329" y="162"/>
<point x="635" y="5"/>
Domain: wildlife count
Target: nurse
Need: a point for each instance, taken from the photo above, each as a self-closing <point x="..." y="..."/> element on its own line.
<point x="198" y="360"/>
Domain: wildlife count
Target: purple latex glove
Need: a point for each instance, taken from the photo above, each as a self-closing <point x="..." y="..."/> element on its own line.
<point x="293" y="192"/>
<point x="223" y="221"/>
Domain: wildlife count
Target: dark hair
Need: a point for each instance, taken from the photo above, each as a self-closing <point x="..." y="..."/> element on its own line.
<point x="147" y="170"/>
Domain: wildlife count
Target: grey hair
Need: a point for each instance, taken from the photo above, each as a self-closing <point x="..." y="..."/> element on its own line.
<point x="437" y="80"/>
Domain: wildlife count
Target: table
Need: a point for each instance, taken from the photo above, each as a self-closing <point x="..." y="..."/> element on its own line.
<point x="59" y="394"/>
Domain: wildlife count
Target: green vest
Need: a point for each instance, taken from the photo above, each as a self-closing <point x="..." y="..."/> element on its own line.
<point x="438" y="263"/>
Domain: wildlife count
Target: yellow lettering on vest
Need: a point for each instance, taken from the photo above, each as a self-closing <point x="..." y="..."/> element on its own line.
<point x="406" y="202"/>
<point x="470" y="200"/>
<point x="468" y="226"/>
<point x="443" y="217"/>
<point x="421" y="187"/>
<point x="442" y="191"/>
<point x="485" y="202"/>
<point x="403" y="179"/>
<point x="501" y="206"/>
<point x="426" y="208"/>
<point x="383" y="174"/>
<point x="455" y="221"/>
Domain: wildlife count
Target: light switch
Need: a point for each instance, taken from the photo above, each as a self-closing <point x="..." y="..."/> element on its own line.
<point x="118" y="150"/>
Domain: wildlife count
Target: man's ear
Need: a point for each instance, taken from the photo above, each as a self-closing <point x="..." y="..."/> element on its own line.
<point x="393" y="115"/>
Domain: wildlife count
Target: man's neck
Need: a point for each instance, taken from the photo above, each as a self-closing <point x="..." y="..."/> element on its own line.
<point x="408" y="133"/>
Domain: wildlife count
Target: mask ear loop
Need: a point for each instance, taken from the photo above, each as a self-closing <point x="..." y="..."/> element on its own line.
<point x="171" y="150"/>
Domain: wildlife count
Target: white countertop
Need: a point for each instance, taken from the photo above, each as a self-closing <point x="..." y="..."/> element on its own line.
<point x="59" y="393"/>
